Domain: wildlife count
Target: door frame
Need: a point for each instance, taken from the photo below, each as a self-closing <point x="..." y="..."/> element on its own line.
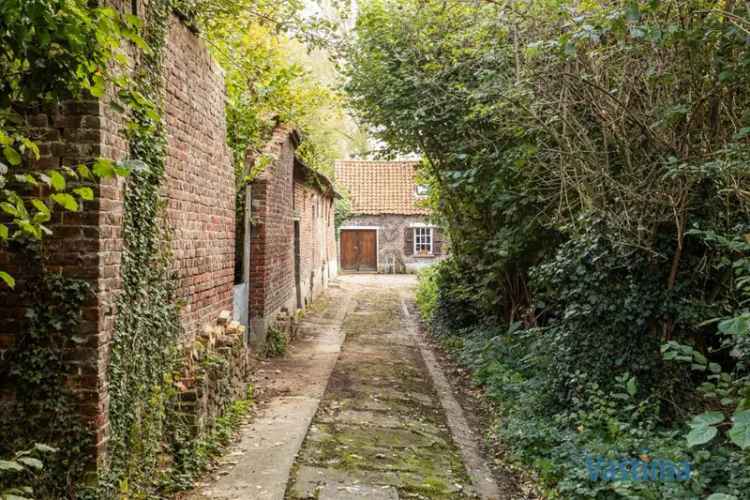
<point x="297" y="264"/>
<point x="377" y="244"/>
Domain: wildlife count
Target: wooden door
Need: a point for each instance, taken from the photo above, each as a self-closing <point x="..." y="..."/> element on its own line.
<point x="359" y="250"/>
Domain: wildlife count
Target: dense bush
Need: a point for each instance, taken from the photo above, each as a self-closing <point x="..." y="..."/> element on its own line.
<point x="607" y="413"/>
<point x="590" y="162"/>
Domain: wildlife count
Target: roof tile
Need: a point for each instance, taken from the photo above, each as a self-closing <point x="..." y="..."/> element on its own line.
<point x="380" y="187"/>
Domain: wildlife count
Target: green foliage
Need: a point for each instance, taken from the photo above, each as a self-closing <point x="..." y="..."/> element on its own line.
<point x="342" y="209"/>
<point x="143" y="401"/>
<point x="21" y="468"/>
<point x="619" y="419"/>
<point x="267" y="80"/>
<point x="45" y="408"/>
<point x="277" y="342"/>
<point x="589" y="280"/>
<point x="52" y="50"/>
<point x="588" y="161"/>
<point x="196" y="453"/>
<point x="427" y="292"/>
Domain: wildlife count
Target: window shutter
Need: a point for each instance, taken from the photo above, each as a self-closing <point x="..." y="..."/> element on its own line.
<point x="437" y="241"/>
<point x="408" y="241"/>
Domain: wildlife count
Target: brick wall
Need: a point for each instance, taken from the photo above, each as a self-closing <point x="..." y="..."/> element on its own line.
<point x="318" y="257"/>
<point x="272" y="284"/>
<point x="199" y="186"/>
<point x="282" y="196"/>
<point x="199" y="192"/>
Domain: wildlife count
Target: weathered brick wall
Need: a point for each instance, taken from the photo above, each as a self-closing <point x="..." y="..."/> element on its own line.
<point x="85" y="246"/>
<point x="272" y="286"/>
<point x="199" y="184"/>
<point x="282" y="196"/>
<point x="199" y="193"/>
<point x="304" y="199"/>
<point x="332" y="247"/>
<point x="390" y="240"/>
<point x="318" y="242"/>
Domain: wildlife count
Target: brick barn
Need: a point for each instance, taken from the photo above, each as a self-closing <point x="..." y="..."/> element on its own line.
<point x="389" y="230"/>
<point x="293" y="250"/>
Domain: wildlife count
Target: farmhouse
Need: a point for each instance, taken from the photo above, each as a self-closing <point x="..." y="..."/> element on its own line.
<point x="389" y="230"/>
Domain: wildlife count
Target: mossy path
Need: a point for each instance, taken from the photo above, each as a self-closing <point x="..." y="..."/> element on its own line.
<point x="380" y="432"/>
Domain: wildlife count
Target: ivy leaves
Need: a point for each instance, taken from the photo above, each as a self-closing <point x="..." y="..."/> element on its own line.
<point x="53" y="50"/>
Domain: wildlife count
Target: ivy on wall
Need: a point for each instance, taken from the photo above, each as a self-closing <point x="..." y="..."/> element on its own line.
<point x="144" y="348"/>
<point x="45" y="403"/>
<point x="153" y="447"/>
<point x="153" y="443"/>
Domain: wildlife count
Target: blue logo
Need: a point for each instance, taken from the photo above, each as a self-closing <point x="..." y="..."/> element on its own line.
<point x="634" y="469"/>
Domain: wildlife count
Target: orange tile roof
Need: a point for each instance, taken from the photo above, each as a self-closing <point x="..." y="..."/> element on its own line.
<point x="380" y="187"/>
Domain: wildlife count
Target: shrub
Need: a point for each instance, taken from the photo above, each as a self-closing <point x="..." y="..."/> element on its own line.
<point x="427" y="292"/>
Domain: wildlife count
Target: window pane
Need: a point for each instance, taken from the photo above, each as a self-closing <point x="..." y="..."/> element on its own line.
<point x="423" y="240"/>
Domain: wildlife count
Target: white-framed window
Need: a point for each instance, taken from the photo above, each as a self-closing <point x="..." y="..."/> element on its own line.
<point x="423" y="190"/>
<point x="422" y="241"/>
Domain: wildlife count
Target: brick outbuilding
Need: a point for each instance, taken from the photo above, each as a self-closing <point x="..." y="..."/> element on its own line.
<point x="389" y="229"/>
<point x="293" y="252"/>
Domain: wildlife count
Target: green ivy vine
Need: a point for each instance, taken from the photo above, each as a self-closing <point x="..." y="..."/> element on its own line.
<point x="144" y="353"/>
<point x="46" y="410"/>
<point x="152" y="448"/>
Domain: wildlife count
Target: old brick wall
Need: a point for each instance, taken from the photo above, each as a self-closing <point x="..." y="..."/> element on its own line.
<point x="331" y="241"/>
<point x="312" y="207"/>
<point x="282" y="197"/>
<point x="272" y="286"/>
<point x="85" y="246"/>
<point x="199" y="185"/>
<point x="390" y="241"/>
<point x="317" y="246"/>
<point x="199" y="192"/>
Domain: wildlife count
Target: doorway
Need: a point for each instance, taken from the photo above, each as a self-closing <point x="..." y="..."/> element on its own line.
<point x="359" y="250"/>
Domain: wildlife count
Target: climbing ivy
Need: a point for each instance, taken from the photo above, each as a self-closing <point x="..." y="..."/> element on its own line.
<point x="46" y="410"/>
<point x="144" y="354"/>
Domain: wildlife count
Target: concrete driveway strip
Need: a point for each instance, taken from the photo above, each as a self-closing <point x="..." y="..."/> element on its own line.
<point x="259" y="465"/>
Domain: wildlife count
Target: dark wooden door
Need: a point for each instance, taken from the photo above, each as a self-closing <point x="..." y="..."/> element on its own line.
<point x="359" y="250"/>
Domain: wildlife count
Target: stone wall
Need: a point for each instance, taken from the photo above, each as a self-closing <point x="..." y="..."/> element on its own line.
<point x="198" y="189"/>
<point x="390" y="240"/>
